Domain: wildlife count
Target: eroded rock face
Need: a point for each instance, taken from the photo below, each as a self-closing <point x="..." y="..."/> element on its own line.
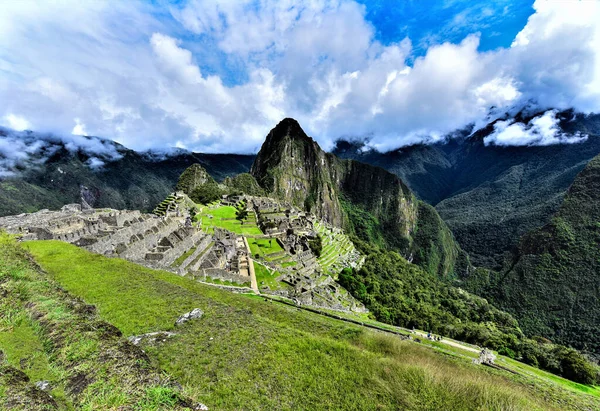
<point x="195" y="313"/>
<point x="291" y="166"/>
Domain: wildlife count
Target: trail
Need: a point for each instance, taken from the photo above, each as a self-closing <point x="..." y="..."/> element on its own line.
<point x="253" y="282"/>
<point x="449" y="342"/>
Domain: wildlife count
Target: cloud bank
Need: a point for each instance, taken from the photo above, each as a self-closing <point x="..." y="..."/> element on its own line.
<point x="20" y="149"/>
<point x="540" y="131"/>
<point x="150" y="79"/>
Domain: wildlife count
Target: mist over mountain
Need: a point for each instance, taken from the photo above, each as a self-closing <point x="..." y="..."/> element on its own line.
<point x="42" y="170"/>
<point x="491" y="194"/>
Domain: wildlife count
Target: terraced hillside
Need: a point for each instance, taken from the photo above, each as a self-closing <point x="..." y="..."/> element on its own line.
<point x="338" y="251"/>
<point x="242" y="353"/>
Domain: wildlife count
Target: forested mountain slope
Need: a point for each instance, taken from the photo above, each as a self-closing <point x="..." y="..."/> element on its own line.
<point x="54" y="176"/>
<point x="553" y="283"/>
<point x="489" y="195"/>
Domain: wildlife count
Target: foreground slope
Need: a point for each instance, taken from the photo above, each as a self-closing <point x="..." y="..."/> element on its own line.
<point x="247" y="353"/>
<point x="56" y="352"/>
<point x="553" y="283"/>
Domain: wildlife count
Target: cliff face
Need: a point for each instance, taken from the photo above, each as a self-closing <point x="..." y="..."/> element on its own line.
<point x="368" y="201"/>
<point x="292" y="166"/>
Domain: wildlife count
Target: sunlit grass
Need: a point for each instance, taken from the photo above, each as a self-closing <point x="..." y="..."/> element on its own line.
<point x="245" y="353"/>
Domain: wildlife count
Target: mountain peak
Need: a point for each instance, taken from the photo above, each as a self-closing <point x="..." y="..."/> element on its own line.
<point x="288" y="127"/>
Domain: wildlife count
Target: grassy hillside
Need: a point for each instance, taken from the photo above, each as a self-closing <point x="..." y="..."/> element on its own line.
<point x="403" y="294"/>
<point x="251" y="354"/>
<point x="47" y="334"/>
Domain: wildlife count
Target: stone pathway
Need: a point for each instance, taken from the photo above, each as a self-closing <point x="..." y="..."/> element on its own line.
<point x="253" y="282"/>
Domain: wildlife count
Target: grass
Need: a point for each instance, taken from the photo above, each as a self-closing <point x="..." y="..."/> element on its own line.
<point x="263" y="247"/>
<point x="183" y="257"/>
<point x="46" y="334"/>
<point x="547" y="376"/>
<point x="245" y="353"/>
<point x="224" y="282"/>
<point x="224" y="217"/>
<point x="264" y="276"/>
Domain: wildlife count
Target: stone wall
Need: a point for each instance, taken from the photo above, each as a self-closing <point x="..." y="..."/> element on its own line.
<point x="223" y="275"/>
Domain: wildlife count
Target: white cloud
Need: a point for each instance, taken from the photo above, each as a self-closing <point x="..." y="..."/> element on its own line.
<point x="128" y="73"/>
<point x="540" y="131"/>
<point x="79" y="128"/>
<point x="16" y="122"/>
<point x="20" y="149"/>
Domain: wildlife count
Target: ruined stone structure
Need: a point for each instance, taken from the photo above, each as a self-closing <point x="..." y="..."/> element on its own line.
<point x="277" y="219"/>
<point x="171" y="242"/>
<point x="142" y="238"/>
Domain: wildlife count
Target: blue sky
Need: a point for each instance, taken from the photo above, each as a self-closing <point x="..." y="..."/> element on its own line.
<point x="216" y="76"/>
<point x="431" y="21"/>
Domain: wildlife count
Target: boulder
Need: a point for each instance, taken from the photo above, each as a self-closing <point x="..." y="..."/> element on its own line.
<point x="195" y="313"/>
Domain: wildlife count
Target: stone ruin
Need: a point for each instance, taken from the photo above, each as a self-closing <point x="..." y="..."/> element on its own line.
<point x="170" y="242"/>
<point x="146" y="239"/>
<point x="228" y="259"/>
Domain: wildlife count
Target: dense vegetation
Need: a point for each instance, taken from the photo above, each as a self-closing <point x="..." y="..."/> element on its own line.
<point x="488" y="195"/>
<point x="552" y="283"/>
<point x="250" y="354"/>
<point x="400" y="293"/>
<point x="243" y="183"/>
<point x="316" y="245"/>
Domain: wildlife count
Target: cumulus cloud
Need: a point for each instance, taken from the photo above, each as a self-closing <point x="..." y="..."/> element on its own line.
<point x="216" y="76"/>
<point x="16" y="122"/>
<point x="540" y="131"/>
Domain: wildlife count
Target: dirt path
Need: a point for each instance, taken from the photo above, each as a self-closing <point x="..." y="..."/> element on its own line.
<point x="449" y="342"/>
<point x="253" y="282"/>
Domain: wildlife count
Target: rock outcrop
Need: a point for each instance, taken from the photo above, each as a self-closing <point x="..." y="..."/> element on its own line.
<point x="367" y="201"/>
<point x="291" y="166"/>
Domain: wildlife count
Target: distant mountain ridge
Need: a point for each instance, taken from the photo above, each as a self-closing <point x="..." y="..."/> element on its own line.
<point x="125" y="180"/>
<point x="489" y="195"/>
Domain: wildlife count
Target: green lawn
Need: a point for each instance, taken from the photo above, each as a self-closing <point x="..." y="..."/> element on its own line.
<point x="263" y="247"/>
<point x="245" y="353"/>
<point x="266" y="276"/>
<point x="224" y="217"/>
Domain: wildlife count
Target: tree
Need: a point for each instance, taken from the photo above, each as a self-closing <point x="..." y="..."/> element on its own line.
<point x="241" y="214"/>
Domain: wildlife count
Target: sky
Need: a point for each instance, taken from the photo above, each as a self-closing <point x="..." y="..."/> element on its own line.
<point x="216" y="76"/>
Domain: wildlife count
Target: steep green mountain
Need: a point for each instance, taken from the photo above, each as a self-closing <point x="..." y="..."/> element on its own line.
<point x="489" y="195"/>
<point x="131" y="180"/>
<point x="368" y="201"/>
<point x="244" y="183"/>
<point x="553" y="282"/>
